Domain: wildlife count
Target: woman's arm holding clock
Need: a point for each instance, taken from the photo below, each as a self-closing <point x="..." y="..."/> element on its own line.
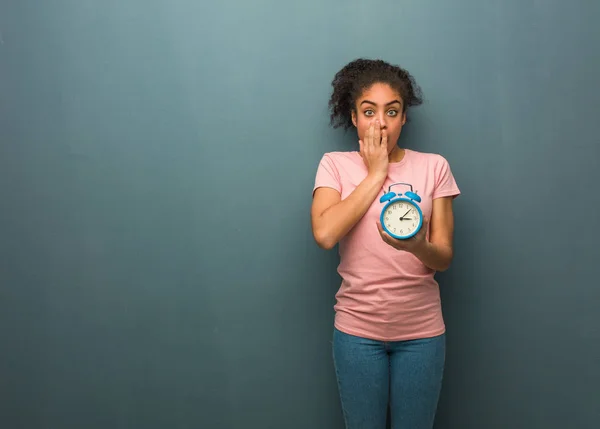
<point x="437" y="252"/>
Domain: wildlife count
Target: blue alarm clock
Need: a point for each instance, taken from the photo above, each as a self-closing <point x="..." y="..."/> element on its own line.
<point x="401" y="217"/>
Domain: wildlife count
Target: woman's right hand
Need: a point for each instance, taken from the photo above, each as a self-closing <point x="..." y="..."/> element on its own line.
<point x="333" y="217"/>
<point x="374" y="150"/>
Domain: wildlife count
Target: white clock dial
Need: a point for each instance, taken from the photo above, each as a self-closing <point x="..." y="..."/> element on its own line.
<point x="401" y="218"/>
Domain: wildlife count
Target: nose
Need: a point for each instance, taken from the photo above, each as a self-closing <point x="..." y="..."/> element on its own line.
<point x="382" y="120"/>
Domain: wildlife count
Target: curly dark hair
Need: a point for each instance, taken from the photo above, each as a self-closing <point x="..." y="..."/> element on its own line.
<point x="358" y="75"/>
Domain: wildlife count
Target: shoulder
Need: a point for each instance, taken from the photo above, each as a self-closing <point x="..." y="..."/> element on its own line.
<point x="431" y="164"/>
<point x="342" y="157"/>
<point x="335" y="168"/>
<point x="343" y="163"/>
<point x="429" y="158"/>
<point x="436" y="167"/>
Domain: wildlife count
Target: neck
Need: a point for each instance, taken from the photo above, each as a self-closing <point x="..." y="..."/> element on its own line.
<point x="396" y="155"/>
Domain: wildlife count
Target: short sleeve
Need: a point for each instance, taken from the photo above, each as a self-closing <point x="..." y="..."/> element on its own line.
<point x="327" y="175"/>
<point x="445" y="184"/>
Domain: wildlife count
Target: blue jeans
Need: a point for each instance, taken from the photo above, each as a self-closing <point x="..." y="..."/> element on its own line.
<point x="404" y="375"/>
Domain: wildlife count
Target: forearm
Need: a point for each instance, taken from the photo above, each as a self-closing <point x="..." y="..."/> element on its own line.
<point x="435" y="256"/>
<point x="335" y="222"/>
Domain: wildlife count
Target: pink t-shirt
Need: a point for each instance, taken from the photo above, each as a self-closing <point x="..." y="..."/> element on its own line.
<point x="386" y="294"/>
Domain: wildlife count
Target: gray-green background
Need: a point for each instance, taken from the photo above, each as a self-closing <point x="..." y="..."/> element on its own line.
<point x="157" y="268"/>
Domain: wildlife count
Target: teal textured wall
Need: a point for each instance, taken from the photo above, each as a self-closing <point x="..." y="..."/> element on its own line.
<point x="157" y="158"/>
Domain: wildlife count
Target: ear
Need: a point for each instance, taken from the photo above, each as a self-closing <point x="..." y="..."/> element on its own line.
<point x="403" y="118"/>
<point x="354" y="117"/>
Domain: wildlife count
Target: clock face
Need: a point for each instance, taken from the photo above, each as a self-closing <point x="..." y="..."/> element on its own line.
<point x="402" y="218"/>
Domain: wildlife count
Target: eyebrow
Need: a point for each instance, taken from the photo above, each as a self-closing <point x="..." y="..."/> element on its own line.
<point x="370" y="102"/>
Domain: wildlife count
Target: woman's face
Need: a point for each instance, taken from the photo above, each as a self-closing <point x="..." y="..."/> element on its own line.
<point x="380" y="102"/>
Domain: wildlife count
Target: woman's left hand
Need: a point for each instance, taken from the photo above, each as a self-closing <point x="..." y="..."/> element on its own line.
<point x="412" y="244"/>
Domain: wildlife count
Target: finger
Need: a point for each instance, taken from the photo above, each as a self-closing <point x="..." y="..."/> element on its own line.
<point x="380" y="229"/>
<point x="370" y="135"/>
<point x="361" y="151"/>
<point x="377" y="134"/>
<point x="384" y="235"/>
<point x="389" y="240"/>
<point x="423" y="231"/>
<point x="384" y="138"/>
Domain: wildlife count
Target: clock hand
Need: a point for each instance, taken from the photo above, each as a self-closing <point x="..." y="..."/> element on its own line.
<point x="402" y="217"/>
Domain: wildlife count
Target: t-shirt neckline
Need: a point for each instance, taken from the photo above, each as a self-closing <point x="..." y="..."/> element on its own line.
<point x="402" y="161"/>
